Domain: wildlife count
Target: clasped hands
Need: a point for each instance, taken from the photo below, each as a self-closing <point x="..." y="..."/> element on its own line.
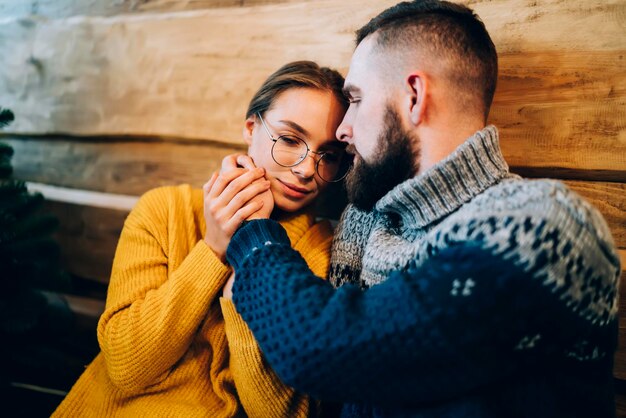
<point x="238" y="192"/>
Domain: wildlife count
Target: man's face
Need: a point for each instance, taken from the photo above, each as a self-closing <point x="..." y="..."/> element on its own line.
<point x="368" y="96"/>
<point x="391" y="164"/>
<point x="384" y="152"/>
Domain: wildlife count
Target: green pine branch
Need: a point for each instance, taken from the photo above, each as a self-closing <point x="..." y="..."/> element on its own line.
<point x="11" y="187"/>
<point x="29" y="255"/>
<point x="6" y="117"/>
<point x="6" y="152"/>
<point x="21" y="204"/>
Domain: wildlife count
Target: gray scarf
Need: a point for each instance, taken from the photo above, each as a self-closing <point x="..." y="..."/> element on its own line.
<point x="368" y="245"/>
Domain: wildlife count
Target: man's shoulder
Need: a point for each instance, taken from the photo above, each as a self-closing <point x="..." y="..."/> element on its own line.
<point x="550" y="232"/>
<point x="518" y="193"/>
<point x="546" y="199"/>
<point x="536" y="210"/>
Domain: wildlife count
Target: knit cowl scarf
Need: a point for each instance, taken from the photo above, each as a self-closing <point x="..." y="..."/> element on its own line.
<point x="369" y="243"/>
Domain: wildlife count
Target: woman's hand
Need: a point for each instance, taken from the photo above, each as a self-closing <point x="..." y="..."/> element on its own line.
<point x="227" y="292"/>
<point x="228" y="201"/>
<point x="235" y="161"/>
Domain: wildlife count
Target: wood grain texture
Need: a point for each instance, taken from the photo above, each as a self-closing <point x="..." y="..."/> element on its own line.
<point x="563" y="111"/>
<point x="514" y="24"/>
<point x="185" y="74"/>
<point x="560" y="102"/>
<point x="620" y="405"/>
<point x="88" y="237"/>
<point x="572" y="136"/>
<point x="610" y="200"/>
<point x="68" y="8"/>
<point x="122" y="166"/>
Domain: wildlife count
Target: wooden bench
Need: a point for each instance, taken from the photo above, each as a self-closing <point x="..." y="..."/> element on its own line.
<point x="115" y="98"/>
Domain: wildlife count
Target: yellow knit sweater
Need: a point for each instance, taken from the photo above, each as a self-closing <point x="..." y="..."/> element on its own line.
<point x="171" y="347"/>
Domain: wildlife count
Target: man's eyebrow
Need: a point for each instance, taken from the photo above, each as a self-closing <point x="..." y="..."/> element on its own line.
<point x="348" y="89"/>
<point x="296" y="127"/>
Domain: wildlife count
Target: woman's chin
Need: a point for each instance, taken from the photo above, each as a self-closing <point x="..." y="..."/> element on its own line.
<point x="289" y="206"/>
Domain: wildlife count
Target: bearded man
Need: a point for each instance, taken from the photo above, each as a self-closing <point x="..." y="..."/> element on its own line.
<point x="458" y="288"/>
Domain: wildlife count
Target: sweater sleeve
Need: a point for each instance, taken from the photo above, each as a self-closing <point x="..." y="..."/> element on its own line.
<point x="260" y="391"/>
<point x="152" y="313"/>
<point x="456" y="322"/>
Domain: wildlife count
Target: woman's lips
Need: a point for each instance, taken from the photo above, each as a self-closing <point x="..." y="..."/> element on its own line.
<point x="292" y="190"/>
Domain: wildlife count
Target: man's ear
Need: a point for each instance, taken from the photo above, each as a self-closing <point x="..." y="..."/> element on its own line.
<point x="417" y="83"/>
<point x="248" y="128"/>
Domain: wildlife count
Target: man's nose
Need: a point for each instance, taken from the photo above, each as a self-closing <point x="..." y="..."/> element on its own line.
<point x="344" y="130"/>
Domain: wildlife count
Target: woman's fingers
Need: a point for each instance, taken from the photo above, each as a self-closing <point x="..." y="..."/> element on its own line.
<point x="239" y="183"/>
<point x="209" y="184"/>
<point x="230" y="162"/>
<point x="230" y="198"/>
<point x="245" y="161"/>
<point x="243" y="213"/>
<point x="230" y="183"/>
<point x="223" y="208"/>
<point x="244" y="196"/>
<point x="237" y="160"/>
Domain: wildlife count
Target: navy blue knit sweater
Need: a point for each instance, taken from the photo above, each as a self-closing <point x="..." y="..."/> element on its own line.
<point x="465" y="292"/>
<point x="412" y="346"/>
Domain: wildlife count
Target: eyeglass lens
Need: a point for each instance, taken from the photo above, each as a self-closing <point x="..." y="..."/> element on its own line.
<point x="289" y="151"/>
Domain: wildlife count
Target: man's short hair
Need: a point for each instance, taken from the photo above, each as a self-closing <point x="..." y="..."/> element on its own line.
<point x="446" y="32"/>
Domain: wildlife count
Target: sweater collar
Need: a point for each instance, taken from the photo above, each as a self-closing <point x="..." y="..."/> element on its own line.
<point x="473" y="167"/>
<point x="296" y="224"/>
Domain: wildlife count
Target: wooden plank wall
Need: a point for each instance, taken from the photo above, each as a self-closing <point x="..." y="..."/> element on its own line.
<point x="115" y="97"/>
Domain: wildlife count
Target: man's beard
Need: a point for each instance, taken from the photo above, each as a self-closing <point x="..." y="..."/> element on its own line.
<point x="395" y="162"/>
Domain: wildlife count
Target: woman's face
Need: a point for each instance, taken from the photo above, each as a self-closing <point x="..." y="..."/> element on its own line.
<point x="310" y="114"/>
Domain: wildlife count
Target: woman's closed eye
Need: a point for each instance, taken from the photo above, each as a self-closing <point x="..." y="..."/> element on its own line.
<point x="290" y="140"/>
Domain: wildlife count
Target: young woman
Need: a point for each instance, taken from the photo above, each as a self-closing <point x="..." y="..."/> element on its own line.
<point x="170" y="345"/>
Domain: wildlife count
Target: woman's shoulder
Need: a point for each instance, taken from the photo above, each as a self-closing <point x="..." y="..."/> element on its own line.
<point x="169" y="192"/>
<point x="167" y="200"/>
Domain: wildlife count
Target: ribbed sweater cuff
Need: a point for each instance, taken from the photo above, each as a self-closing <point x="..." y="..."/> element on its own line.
<point x="252" y="236"/>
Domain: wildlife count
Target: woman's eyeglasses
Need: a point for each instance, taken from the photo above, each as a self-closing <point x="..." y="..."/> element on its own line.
<point x="289" y="151"/>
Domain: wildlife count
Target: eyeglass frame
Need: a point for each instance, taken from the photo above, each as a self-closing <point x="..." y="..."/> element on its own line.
<point x="308" y="150"/>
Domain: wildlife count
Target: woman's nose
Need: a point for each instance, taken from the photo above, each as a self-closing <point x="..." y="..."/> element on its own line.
<point x="306" y="167"/>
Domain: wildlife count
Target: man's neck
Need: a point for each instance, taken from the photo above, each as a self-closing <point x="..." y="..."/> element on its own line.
<point x="437" y="142"/>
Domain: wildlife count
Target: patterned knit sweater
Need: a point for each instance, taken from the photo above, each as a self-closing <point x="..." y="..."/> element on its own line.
<point x="171" y="347"/>
<point x="465" y="292"/>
